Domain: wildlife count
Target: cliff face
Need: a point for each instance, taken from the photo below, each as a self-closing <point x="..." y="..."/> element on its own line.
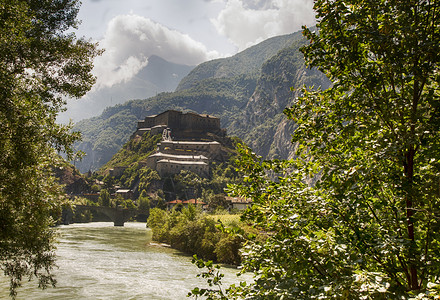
<point x="267" y="131"/>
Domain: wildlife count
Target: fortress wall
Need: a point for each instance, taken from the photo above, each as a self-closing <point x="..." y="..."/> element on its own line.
<point x="148" y="122"/>
<point x="214" y="148"/>
<point x="174" y="119"/>
<point x="157" y="129"/>
<point x="198" y="122"/>
<point x="209" y="149"/>
<point x="152" y="130"/>
<point x="152" y="160"/>
<point x="142" y="131"/>
<point x="179" y="121"/>
<point x="161" y="119"/>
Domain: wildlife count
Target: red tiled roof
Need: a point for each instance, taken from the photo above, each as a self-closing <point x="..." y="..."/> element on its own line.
<point x="175" y="202"/>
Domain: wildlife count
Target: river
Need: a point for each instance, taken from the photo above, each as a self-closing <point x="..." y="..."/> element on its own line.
<point x="101" y="261"/>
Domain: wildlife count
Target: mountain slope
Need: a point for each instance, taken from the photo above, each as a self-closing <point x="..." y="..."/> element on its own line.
<point x="248" y="61"/>
<point x="247" y="91"/>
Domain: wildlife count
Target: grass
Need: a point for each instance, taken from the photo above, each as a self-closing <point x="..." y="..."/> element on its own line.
<point x="227" y="220"/>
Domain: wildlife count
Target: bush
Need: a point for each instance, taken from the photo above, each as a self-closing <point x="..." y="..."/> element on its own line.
<point x="104" y="198"/>
<point x="144" y="203"/>
<point x="194" y="233"/>
<point x="157" y="221"/>
<point x="228" y="249"/>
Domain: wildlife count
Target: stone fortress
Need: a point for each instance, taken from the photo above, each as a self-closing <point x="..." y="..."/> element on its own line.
<point x="187" y="142"/>
<point x="183" y="126"/>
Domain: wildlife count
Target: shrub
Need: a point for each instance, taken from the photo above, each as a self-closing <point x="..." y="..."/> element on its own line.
<point x="157" y="222"/>
<point x="192" y="232"/>
<point x="228" y="249"/>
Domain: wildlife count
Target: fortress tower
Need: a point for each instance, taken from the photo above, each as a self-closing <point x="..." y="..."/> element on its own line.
<point x="182" y="125"/>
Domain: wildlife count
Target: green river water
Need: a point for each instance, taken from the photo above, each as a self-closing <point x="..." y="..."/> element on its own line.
<point x="100" y="261"/>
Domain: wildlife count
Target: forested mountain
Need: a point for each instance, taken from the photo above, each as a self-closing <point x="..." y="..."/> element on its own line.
<point x="247" y="62"/>
<point x="248" y="91"/>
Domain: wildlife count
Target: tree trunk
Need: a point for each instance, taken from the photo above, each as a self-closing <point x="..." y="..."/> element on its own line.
<point x="409" y="173"/>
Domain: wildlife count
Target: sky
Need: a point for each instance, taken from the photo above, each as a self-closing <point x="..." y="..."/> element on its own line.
<point x="181" y="31"/>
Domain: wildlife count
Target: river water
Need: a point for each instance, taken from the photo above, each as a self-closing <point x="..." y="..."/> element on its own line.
<point x="101" y="261"/>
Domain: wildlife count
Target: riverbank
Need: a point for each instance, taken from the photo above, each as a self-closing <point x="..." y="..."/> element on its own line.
<point x="194" y="232"/>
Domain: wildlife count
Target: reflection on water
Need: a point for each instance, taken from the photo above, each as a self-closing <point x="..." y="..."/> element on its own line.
<point x="100" y="261"/>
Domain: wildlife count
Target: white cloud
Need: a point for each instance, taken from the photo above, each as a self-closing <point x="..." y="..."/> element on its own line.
<point x="247" y="22"/>
<point x="131" y="39"/>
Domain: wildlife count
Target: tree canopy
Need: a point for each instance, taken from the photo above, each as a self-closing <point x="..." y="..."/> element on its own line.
<point x="375" y="134"/>
<point x="42" y="63"/>
<point x="356" y="214"/>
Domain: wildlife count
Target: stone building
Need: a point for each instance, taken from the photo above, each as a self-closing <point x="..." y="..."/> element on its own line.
<point x="210" y="149"/>
<point x="152" y="160"/>
<point x="182" y="125"/>
<point x="152" y="130"/>
<point x="187" y="142"/>
<point x="239" y="203"/>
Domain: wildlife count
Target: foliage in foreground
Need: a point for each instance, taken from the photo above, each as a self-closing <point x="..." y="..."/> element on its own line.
<point x="40" y="66"/>
<point x="370" y="226"/>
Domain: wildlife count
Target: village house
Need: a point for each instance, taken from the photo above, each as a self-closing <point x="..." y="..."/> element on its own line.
<point x="171" y="204"/>
<point x="239" y="203"/>
<point x="194" y="202"/>
<point x="125" y="193"/>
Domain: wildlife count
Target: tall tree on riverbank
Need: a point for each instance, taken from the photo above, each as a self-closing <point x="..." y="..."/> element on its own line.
<point x="41" y="64"/>
<point x="375" y="134"/>
<point x="370" y="226"/>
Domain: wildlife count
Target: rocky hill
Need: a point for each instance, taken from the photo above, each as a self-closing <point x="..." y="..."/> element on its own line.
<point x="262" y="124"/>
<point x="73" y="182"/>
<point x="248" y="91"/>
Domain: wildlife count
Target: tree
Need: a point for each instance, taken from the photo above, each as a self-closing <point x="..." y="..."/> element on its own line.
<point x="356" y="215"/>
<point x="375" y="134"/>
<point x="218" y="201"/>
<point x="104" y="198"/>
<point x="41" y="65"/>
<point x="143" y="202"/>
